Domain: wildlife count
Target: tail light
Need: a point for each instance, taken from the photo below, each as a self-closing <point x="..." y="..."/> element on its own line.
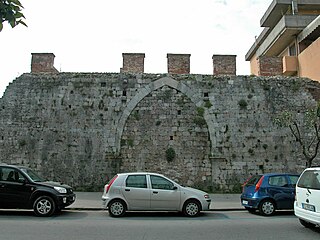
<point x="259" y="183"/>
<point x="110" y="183"/>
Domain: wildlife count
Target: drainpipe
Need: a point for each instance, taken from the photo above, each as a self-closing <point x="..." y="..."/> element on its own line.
<point x="294" y="6"/>
<point x="297" y="54"/>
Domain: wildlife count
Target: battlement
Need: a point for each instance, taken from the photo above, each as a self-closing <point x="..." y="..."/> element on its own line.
<point x="134" y="63"/>
<point x="43" y="62"/>
<point x="178" y="63"/>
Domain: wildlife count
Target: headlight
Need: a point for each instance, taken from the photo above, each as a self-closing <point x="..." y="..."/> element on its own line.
<point x="60" y="189"/>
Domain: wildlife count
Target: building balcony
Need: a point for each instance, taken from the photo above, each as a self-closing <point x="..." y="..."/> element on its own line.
<point x="290" y="65"/>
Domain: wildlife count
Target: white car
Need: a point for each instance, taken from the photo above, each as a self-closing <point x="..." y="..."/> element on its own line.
<point x="307" y="203"/>
<point x="151" y="192"/>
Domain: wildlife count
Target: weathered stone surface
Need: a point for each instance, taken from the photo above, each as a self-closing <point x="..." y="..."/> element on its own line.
<point x="82" y="128"/>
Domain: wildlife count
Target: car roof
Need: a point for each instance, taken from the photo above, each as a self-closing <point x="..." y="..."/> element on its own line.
<point x="277" y="174"/>
<point x="313" y="168"/>
<point x="13" y="166"/>
<point x="140" y="173"/>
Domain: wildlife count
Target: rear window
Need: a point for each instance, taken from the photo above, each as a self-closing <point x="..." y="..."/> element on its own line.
<point x="253" y="180"/>
<point x="310" y="179"/>
<point x="136" y="181"/>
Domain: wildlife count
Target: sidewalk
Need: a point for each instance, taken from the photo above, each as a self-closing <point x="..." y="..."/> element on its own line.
<point x="92" y="201"/>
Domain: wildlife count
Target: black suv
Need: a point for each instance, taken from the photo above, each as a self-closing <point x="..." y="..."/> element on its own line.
<point x="22" y="188"/>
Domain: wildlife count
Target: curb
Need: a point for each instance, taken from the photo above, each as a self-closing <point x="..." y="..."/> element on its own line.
<point x="102" y="209"/>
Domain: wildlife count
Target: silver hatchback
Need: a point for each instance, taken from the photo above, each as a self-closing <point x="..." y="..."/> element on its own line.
<point x="151" y="192"/>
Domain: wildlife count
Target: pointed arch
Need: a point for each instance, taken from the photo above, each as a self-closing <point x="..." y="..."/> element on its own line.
<point x="144" y="91"/>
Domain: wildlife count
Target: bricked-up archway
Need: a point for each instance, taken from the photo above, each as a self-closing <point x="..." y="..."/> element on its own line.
<point x="194" y="96"/>
<point x="167" y="118"/>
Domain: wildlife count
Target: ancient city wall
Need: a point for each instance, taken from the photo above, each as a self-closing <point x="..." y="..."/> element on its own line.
<point x="201" y="130"/>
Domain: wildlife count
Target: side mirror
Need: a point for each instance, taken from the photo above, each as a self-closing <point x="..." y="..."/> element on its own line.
<point x="175" y="188"/>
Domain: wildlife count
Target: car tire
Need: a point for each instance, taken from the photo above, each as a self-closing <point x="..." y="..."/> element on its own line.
<point x="306" y="224"/>
<point x="267" y="207"/>
<point x="191" y="208"/>
<point x="44" y="206"/>
<point x="117" y="208"/>
<point x="250" y="210"/>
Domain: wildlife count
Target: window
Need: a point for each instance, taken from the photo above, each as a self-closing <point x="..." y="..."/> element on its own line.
<point x="310" y="179"/>
<point x="136" y="181"/>
<point x="10" y="175"/>
<point x="278" y="181"/>
<point x="161" y="183"/>
<point x="293" y="180"/>
<point x="253" y="180"/>
<point x="292" y="50"/>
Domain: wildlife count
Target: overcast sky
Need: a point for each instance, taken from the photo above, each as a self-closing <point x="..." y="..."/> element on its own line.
<point x="91" y="35"/>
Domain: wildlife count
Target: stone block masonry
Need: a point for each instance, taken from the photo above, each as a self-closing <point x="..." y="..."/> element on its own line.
<point x="82" y="128"/>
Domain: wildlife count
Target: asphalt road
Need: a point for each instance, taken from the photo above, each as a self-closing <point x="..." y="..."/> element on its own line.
<point x="91" y="225"/>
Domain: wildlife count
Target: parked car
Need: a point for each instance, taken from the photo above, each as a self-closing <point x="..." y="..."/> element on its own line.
<point x="22" y="188"/>
<point x="151" y="192"/>
<point x="307" y="204"/>
<point x="269" y="192"/>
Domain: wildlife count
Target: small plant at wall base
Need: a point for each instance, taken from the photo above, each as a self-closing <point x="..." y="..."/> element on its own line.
<point x="170" y="154"/>
<point x="306" y="131"/>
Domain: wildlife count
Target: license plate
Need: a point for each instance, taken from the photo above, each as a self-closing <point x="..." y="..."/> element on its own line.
<point x="245" y="202"/>
<point x="308" y="207"/>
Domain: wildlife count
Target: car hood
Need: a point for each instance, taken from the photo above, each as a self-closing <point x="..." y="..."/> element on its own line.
<point x="194" y="191"/>
<point x="54" y="184"/>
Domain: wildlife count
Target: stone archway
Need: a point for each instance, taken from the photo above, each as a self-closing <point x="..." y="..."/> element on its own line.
<point x="165" y="115"/>
<point x="144" y="91"/>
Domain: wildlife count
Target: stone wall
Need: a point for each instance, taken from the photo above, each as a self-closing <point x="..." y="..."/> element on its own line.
<point x="82" y="128"/>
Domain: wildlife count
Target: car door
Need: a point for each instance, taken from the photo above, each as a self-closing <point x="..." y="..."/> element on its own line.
<point x="136" y="192"/>
<point x="14" y="190"/>
<point x="281" y="192"/>
<point x="165" y="195"/>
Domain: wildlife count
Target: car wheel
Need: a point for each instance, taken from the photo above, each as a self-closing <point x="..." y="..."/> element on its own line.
<point x="267" y="207"/>
<point x="191" y="208"/>
<point x="44" y="206"/>
<point x="250" y="210"/>
<point x="307" y="224"/>
<point x="117" y="208"/>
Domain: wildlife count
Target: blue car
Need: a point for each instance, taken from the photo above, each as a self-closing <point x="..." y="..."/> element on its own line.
<point x="269" y="192"/>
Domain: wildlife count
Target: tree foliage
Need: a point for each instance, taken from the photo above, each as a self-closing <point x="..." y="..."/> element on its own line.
<point x="306" y="131"/>
<point x="11" y="12"/>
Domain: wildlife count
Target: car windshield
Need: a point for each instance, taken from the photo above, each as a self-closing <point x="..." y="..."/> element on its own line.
<point x="35" y="177"/>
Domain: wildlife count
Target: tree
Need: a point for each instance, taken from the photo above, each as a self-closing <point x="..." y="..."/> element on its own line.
<point x="305" y="132"/>
<point x="11" y="12"/>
